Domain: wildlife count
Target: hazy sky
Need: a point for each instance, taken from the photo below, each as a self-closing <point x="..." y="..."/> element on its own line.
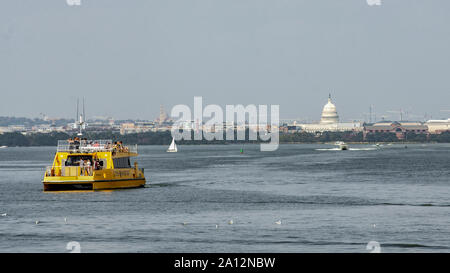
<point x="129" y="56"/>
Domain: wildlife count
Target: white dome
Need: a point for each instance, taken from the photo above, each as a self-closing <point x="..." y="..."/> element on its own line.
<point x="329" y="113"/>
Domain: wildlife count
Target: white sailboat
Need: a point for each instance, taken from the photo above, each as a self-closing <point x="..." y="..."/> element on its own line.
<point x="172" y="147"/>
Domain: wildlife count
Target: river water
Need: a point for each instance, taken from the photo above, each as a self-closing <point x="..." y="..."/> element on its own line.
<point x="326" y="200"/>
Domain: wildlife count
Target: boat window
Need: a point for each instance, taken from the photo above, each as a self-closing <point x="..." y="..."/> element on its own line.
<point x="74" y="160"/>
<point x="122" y="162"/>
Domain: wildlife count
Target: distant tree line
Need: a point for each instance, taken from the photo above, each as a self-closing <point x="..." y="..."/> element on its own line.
<point x="39" y="139"/>
<point x="164" y="138"/>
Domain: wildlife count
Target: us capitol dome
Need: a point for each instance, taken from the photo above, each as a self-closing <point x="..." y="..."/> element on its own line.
<point x="329" y="113"/>
<point x="329" y="122"/>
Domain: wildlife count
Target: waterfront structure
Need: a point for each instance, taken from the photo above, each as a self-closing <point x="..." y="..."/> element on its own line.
<point x="400" y="129"/>
<point x="438" y="126"/>
<point x="329" y="122"/>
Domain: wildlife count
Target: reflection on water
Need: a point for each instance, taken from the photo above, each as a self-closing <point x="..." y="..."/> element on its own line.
<point x="327" y="201"/>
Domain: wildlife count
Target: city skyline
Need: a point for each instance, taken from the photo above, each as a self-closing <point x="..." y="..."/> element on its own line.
<point x="370" y="116"/>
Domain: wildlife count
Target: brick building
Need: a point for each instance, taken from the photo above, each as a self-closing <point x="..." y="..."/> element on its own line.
<point x="399" y="128"/>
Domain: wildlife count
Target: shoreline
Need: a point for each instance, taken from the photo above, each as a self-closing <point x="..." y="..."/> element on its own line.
<point x="244" y="143"/>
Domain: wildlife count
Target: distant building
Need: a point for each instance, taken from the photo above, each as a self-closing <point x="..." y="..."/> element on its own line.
<point x="400" y="129"/>
<point x="438" y="126"/>
<point x="329" y="113"/>
<point x="292" y="129"/>
<point x="329" y="122"/>
<point x="163" y="117"/>
<point x="127" y="128"/>
<point x="137" y="127"/>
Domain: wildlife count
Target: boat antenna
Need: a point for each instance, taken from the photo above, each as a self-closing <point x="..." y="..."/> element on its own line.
<point x="80" y="123"/>
<point x="76" y="117"/>
<point x="84" y="113"/>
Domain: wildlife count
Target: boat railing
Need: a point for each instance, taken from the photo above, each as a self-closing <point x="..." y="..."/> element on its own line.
<point x="69" y="171"/>
<point x="73" y="171"/>
<point x="91" y="146"/>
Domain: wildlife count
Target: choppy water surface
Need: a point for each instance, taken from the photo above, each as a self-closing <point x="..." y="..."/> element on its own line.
<point x="327" y="201"/>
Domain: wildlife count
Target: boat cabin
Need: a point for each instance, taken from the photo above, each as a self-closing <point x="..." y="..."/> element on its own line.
<point x="84" y="157"/>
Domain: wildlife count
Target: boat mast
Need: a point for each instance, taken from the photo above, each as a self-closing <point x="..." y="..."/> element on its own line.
<point x="80" y="122"/>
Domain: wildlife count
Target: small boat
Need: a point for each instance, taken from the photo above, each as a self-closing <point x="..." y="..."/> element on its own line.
<point x="342" y="145"/>
<point x="172" y="147"/>
<point x="3" y="147"/>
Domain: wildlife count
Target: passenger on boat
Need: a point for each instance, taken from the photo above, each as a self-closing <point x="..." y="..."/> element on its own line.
<point x="87" y="167"/>
<point x="121" y="147"/>
<point x="70" y="142"/>
<point x="76" y="142"/>
<point x="81" y="167"/>
<point x="97" y="164"/>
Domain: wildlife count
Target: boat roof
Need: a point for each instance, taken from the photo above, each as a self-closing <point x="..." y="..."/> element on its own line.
<point x="93" y="146"/>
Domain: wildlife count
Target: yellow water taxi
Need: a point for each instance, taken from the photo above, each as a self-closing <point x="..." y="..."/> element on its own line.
<point x="82" y="164"/>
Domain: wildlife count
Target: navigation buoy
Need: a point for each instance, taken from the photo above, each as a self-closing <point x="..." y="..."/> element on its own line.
<point x="242" y="151"/>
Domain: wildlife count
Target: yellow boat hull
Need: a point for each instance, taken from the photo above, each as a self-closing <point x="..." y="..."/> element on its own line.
<point x="93" y="185"/>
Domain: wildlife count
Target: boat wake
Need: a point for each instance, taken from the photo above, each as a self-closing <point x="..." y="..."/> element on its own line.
<point x="350" y="149"/>
<point x="363" y="149"/>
